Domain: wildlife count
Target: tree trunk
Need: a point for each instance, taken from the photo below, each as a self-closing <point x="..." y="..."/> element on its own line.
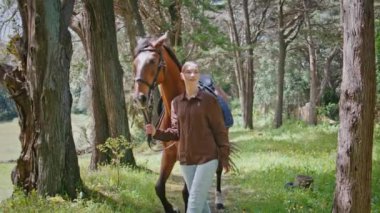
<point x="108" y="102"/>
<point x="132" y="21"/>
<point x="357" y="102"/>
<point x="286" y="34"/>
<point x="250" y="73"/>
<point x="48" y="160"/>
<point x="25" y="173"/>
<point x="134" y="5"/>
<point x="326" y="80"/>
<point x="239" y="74"/>
<point x="312" y="118"/>
<point x="176" y="23"/>
<point x="280" y="69"/>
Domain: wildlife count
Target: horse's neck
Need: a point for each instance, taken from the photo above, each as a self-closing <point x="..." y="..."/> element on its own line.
<point x="172" y="85"/>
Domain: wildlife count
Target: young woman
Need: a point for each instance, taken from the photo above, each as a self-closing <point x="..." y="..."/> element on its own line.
<point x="197" y="123"/>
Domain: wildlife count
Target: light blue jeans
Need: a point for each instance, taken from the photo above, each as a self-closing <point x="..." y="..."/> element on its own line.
<point x="198" y="179"/>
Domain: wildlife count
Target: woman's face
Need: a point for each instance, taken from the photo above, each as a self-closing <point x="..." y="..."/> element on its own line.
<point x="191" y="75"/>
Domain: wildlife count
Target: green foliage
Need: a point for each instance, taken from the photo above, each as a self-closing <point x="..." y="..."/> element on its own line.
<point x="329" y="104"/>
<point x="135" y="193"/>
<point x="330" y="110"/>
<point x="200" y="30"/>
<point x="266" y="71"/>
<point x="377" y="45"/>
<point x="296" y="87"/>
<point x="7" y="107"/>
<point x="116" y="148"/>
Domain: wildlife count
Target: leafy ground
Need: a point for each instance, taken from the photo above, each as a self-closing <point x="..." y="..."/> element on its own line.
<point x="268" y="159"/>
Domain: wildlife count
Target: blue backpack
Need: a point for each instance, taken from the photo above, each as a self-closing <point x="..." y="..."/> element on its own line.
<point x="206" y="83"/>
<point x="228" y="119"/>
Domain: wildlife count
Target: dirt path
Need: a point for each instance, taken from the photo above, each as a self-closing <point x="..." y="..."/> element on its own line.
<point x="174" y="190"/>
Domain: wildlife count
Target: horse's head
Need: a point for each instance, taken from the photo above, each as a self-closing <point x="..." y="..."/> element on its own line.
<point x="149" y="67"/>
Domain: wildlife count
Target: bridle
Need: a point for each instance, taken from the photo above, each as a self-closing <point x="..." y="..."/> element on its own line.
<point x="147" y="111"/>
<point x="161" y="66"/>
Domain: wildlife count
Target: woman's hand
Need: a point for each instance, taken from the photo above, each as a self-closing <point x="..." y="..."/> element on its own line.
<point x="226" y="166"/>
<point x="150" y="129"/>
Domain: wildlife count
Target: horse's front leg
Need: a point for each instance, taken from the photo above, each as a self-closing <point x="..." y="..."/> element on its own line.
<point x="168" y="160"/>
<point x="219" y="202"/>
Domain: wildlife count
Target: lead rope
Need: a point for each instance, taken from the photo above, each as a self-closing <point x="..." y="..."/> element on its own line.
<point x="147" y="112"/>
<point x="147" y="115"/>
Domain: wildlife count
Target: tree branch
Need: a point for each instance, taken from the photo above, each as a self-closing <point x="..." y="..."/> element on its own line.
<point x="297" y="30"/>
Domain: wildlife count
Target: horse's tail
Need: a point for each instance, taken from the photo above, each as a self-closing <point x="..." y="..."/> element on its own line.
<point x="234" y="154"/>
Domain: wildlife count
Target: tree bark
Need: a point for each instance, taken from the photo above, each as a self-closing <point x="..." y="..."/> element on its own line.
<point x="357" y="102"/>
<point x="25" y="173"/>
<point x="250" y="73"/>
<point x="108" y="102"/>
<point x="286" y="34"/>
<point x="239" y="72"/>
<point x="312" y="119"/>
<point x="48" y="161"/>
<point x="280" y="68"/>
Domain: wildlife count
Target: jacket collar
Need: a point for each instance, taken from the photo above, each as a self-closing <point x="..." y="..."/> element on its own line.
<point x="198" y="96"/>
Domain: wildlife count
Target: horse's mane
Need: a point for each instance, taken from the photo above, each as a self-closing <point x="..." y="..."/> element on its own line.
<point x="145" y="42"/>
<point x="172" y="55"/>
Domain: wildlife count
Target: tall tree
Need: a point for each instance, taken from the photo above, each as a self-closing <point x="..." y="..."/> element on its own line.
<point x="96" y="25"/>
<point x="312" y="118"/>
<point x="129" y="11"/>
<point x="235" y="40"/>
<point x="288" y="29"/>
<point x="40" y="89"/>
<point x="250" y="72"/>
<point x="357" y="102"/>
<point x="244" y="69"/>
<point x="175" y="22"/>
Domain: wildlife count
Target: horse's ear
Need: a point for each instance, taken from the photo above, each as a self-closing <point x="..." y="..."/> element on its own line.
<point x="160" y="41"/>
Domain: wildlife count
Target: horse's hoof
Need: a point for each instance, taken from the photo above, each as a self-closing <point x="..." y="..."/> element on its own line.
<point x="175" y="210"/>
<point x="219" y="206"/>
<point x="219" y="200"/>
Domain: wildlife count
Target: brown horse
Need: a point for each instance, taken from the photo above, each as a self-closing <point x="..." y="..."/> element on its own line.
<point x="155" y="64"/>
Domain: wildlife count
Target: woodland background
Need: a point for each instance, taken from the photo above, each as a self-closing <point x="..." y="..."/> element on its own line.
<point x="279" y="61"/>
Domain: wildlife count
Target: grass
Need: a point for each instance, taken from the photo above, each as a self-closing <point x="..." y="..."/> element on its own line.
<point x="10" y="145"/>
<point x="5" y="180"/>
<point x="267" y="160"/>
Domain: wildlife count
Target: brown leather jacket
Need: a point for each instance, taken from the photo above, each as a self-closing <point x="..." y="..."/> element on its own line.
<point x="198" y="125"/>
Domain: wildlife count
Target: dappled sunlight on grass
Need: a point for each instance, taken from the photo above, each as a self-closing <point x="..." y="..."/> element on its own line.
<point x="267" y="159"/>
<point x="262" y="161"/>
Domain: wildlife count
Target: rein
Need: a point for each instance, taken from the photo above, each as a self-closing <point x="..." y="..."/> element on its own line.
<point x="147" y="111"/>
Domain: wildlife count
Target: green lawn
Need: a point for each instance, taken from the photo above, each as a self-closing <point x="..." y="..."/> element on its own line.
<point x="11" y="148"/>
<point x="5" y="180"/>
<point x="10" y="145"/>
<point x="267" y="160"/>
